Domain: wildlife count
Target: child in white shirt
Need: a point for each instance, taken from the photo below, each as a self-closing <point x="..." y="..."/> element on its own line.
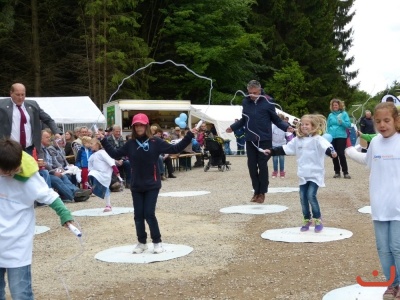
<point x="101" y="167"/>
<point x="310" y="149"/>
<point x="20" y="186"/>
<point x="383" y="159"/>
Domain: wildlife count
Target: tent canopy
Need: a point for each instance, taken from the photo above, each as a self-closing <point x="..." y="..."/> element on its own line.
<point x="222" y="116"/>
<point x="71" y="110"/>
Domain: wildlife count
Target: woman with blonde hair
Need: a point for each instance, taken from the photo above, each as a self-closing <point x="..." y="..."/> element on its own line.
<point x="338" y="124"/>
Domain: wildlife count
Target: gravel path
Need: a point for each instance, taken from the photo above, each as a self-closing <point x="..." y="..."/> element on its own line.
<point x="230" y="259"/>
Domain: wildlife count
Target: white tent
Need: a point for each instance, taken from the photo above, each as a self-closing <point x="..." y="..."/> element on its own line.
<point x="222" y="116"/>
<point x="70" y="110"/>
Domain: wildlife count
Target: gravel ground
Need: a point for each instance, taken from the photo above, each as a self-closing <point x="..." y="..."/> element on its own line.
<point x="230" y="259"/>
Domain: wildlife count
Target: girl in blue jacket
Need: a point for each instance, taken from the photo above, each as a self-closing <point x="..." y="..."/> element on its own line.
<point x="337" y="125"/>
<point x="143" y="151"/>
<point x="82" y="160"/>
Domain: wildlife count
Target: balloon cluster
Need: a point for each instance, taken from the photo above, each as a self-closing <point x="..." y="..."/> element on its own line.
<point x="181" y="120"/>
<point x="328" y="137"/>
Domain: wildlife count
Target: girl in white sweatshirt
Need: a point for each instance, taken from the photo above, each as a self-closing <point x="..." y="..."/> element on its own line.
<point x="310" y="149"/>
<point x="101" y="166"/>
<point x="383" y="160"/>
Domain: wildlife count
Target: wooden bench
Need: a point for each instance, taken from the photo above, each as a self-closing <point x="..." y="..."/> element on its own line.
<point x="70" y="159"/>
<point x="187" y="160"/>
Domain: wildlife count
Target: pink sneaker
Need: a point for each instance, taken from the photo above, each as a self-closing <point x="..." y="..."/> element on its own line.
<point x="107" y="209"/>
<point x="282" y="174"/>
<point x="274" y="174"/>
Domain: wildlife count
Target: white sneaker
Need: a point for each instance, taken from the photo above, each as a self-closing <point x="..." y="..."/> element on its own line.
<point x="158" y="248"/>
<point x="140" y="248"/>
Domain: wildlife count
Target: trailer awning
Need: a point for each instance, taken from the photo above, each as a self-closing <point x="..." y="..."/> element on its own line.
<point x="155" y="105"/>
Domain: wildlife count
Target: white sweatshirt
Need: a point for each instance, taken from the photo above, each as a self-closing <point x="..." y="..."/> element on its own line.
<point x="100" y="167"/>
<point x="310" y="156"/>
<point x="383" y="160"/>
<point x="17" y="217"/>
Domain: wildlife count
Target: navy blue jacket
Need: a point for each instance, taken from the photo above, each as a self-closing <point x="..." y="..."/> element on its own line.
<point x="257" y="117"/>
<point x="145" y="174"/>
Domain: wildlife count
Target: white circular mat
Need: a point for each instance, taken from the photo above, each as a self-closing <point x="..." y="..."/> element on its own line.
<point x="355" y="292"/>
<point x="365" y="210"/>
<point x="284" y="189"/>
<point x="294" y="235"/>
<point x="98" y="212"/>
<point x="253" y="209"/>
<point x="41" y="229"/>
<point x="124" y="254"/>
<point x="184" y="194"/>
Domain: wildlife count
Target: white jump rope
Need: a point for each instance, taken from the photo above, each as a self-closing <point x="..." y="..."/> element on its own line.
<point x="77" y="232"/>
<point x="58" y="269"/>
<point x="248" y="118"/>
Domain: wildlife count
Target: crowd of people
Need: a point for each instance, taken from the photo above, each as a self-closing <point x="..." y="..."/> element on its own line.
<point x="33" y="165"/>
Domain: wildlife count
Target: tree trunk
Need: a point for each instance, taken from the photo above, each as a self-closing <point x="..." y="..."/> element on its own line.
<point x="35" y="48"/>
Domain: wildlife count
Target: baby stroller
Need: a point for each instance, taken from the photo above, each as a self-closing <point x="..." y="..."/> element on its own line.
<point x="215" y="154"/>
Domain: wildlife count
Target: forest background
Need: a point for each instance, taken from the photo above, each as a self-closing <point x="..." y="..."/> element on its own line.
<point x="298" y="50"/>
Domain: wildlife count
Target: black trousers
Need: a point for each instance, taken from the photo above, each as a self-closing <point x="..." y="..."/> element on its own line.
<point x="168" y="163"/>
<point x="340" y="160"/>
<point x="257" y="163"/>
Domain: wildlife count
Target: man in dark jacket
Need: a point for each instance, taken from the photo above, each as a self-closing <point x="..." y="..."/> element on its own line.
<point x="115" y="138"/>
<point x="257" y="116"/>
<point x="367" y="125"/>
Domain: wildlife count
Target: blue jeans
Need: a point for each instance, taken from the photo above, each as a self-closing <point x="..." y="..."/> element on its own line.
<point x="281" y="160"/>
<point x="387" y="235"/>
<point x="308" y="196"/>
<point x="64" y="186"/>
<point x="126" y="168"/>
<point x="19" y="282"/>
<point x="144" y="204"/>
<point x="46" y="176"/>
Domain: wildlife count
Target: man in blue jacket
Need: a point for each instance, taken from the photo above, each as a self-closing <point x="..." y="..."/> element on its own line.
<point x="258" y="114"/>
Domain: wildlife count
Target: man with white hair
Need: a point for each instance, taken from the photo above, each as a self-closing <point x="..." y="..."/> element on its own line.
<point x="122" y="163"/>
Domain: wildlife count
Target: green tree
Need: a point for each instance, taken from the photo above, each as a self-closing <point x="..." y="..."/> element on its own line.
<point x="209" y="37"/>
<point x="343" y="37"/>
<point x="303" y="32"/>
<point x="287" y="85"/>
<point x="113" y="48"/>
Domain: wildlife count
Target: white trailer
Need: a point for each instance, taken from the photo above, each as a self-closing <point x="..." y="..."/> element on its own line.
<point x="161" y="112"/>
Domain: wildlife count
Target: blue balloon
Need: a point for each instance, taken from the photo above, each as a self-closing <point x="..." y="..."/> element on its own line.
<point x="183" y="117"/>
<point x="328" y="137"/>
<point x="177" y="120"/>
<point x="182" y="124"/>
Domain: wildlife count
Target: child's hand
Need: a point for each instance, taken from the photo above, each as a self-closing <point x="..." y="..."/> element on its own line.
<point x="267" y="152"/>
<point x="67" y="223"/>
<point x="334" y="154"/>
<point x="99" y="136"/>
